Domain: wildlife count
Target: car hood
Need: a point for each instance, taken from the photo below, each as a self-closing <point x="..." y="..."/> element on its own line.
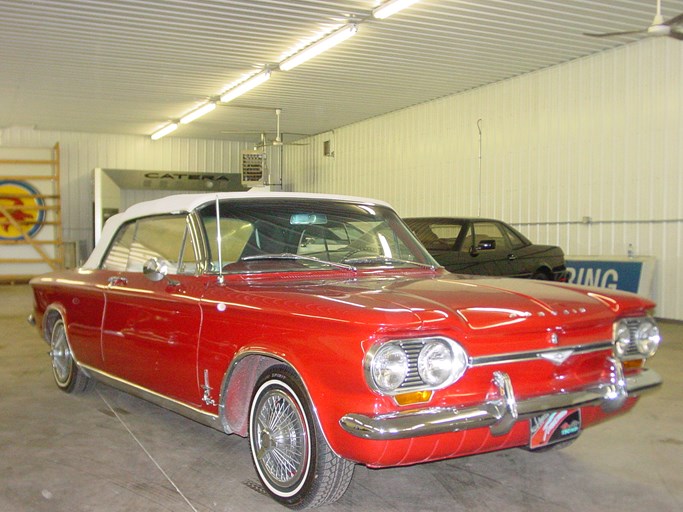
<point x="466" y="302"/>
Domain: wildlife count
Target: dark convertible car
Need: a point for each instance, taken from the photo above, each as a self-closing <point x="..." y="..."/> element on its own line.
<point x="487" y="247"/>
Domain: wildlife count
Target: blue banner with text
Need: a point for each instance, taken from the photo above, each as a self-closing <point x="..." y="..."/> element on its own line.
<point x="616" y="275"/>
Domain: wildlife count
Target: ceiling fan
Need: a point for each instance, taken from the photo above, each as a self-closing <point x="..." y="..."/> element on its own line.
<point x="658" y="27"/>
<point x="279" y="136"/>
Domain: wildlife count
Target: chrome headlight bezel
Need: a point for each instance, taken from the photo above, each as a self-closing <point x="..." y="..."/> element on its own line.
<point x="622" y="339"/>
<point x="389" y="368"/>
<point x="432" y="363"/>
<point x="648" y="338"/>
<point x="636" y="338"/>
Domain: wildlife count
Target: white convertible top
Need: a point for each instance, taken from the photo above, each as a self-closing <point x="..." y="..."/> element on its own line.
<point x="188" y="202"/>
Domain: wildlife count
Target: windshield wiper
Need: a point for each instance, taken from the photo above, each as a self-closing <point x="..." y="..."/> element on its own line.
<point x="385" y="259"/>
<point x="297" y="257"/>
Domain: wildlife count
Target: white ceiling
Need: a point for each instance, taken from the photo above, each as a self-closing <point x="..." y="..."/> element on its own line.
<point x="130" y="66"/>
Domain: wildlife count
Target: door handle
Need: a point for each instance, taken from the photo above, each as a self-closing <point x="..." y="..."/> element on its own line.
<point x="512" y="257"/>
<point x="117" y="281"/>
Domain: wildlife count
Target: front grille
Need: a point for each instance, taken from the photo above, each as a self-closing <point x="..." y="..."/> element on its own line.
<point x="412" y="349"/>
<point x="632" y="349"/>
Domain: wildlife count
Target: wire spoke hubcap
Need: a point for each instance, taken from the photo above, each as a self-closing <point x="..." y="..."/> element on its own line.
<point x="61" y="355"/>
<point x="281" y="438"/>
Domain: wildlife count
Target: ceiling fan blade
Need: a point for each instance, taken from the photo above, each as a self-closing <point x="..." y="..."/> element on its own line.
<point x="610" y="34"/>
<point x="658" y="27"/>
<point x="676" y="20"/>
<point x="280" y="143"/>
<point x="279" y="139"/>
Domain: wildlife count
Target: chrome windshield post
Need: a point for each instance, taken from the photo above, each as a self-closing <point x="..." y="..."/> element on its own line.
<point x="219" y="241"/>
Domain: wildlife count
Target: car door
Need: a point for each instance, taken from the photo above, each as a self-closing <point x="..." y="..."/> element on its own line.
<point x="151" y="325"/>
<point x="483" y="249"/>
<point x="521" y="256"/>
<point x="492" y="248"/>
<point x="439" y="237"/>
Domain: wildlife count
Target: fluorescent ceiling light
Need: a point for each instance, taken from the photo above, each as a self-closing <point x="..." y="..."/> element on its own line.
<point x="391" y="7"/>
<point x="195" y="114"/>
<point x="245" y="86"/>
<point x="164" y="131"/>
<point x="319" y="46"/>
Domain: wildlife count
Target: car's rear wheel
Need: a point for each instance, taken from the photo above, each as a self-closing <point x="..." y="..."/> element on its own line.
<point x="541" y="275"/>
<point x="68" y="377"/>
<point x="293" y="461"/>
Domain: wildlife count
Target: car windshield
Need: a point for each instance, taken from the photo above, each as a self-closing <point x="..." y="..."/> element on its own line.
<point x="284" y="234"/>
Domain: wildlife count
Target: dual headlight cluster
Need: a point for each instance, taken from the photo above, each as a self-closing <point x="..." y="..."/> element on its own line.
<point x="636" y="338"/>
<point x="415" y="364"/>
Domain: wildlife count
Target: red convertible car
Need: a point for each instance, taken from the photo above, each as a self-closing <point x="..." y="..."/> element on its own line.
<point x="320" y="328"/>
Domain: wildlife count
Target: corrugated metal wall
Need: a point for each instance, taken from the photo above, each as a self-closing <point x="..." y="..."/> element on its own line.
<point x="599" y="137"/>
<point x="81" y="153"/>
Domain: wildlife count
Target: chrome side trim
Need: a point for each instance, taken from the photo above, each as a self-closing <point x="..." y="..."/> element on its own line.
<point x="533" y="355"/>
<point x="500" y="411"/>
<point x="203" y="417"/>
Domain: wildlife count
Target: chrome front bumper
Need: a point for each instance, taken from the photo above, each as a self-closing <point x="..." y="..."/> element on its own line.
<point x="501" y="409"/>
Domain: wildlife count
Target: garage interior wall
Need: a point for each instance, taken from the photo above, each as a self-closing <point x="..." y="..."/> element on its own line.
<point x="81" y="153"/>
<point x="598" y="138"/>
<point x="587" y="155"/>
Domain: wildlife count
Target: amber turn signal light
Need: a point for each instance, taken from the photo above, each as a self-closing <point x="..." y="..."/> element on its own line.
<point x="415" y="397"/>
<point x="633" y="364"/>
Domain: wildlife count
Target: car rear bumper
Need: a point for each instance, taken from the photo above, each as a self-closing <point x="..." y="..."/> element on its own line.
<point x="561" y="275"/>
<point x="501" y="411"/>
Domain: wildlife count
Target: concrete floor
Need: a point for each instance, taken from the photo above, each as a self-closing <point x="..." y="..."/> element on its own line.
<point x="108" y="451"/>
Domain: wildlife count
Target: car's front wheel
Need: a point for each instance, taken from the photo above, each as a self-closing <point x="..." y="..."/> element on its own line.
<point x="292" y="458"/>
<point x="68" y="376"/>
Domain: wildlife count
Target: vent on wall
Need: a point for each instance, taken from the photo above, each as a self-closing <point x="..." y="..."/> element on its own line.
<point x="253" y="167"/>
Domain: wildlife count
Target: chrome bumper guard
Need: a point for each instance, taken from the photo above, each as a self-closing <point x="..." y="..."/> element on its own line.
<point x="501" y="410"/>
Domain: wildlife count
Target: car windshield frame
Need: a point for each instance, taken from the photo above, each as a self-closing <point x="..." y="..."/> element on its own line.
<point x="323" y="233"/>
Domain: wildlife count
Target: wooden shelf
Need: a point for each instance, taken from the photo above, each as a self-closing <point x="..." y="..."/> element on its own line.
<point x="28" y="260"/>
<point x="49" y="251"/>
<point x="31" y="208"/>
<point x="24" y="242"/>
<point x="30" y="223"/>
<point x="31" y="162"/>
<point x="26" y="177"/>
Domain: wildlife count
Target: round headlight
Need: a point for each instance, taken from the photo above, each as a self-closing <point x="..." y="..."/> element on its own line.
<point x="622" y="339"/>
<point x="435" y="363"/>
<point x="647" y="338"/>
<point x="389" y="367"/>
<point x="440" y="363"/>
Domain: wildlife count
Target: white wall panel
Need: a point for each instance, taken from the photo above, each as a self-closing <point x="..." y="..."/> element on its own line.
<point x="599" y="137"/>
<point x="81" y="153"/>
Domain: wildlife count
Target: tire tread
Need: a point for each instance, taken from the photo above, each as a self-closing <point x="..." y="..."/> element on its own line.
<point x="333" y="474"/>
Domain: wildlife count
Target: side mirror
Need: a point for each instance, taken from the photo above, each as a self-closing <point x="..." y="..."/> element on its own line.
<point x="486" y="245"/>
<point x="155" y="270"/>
